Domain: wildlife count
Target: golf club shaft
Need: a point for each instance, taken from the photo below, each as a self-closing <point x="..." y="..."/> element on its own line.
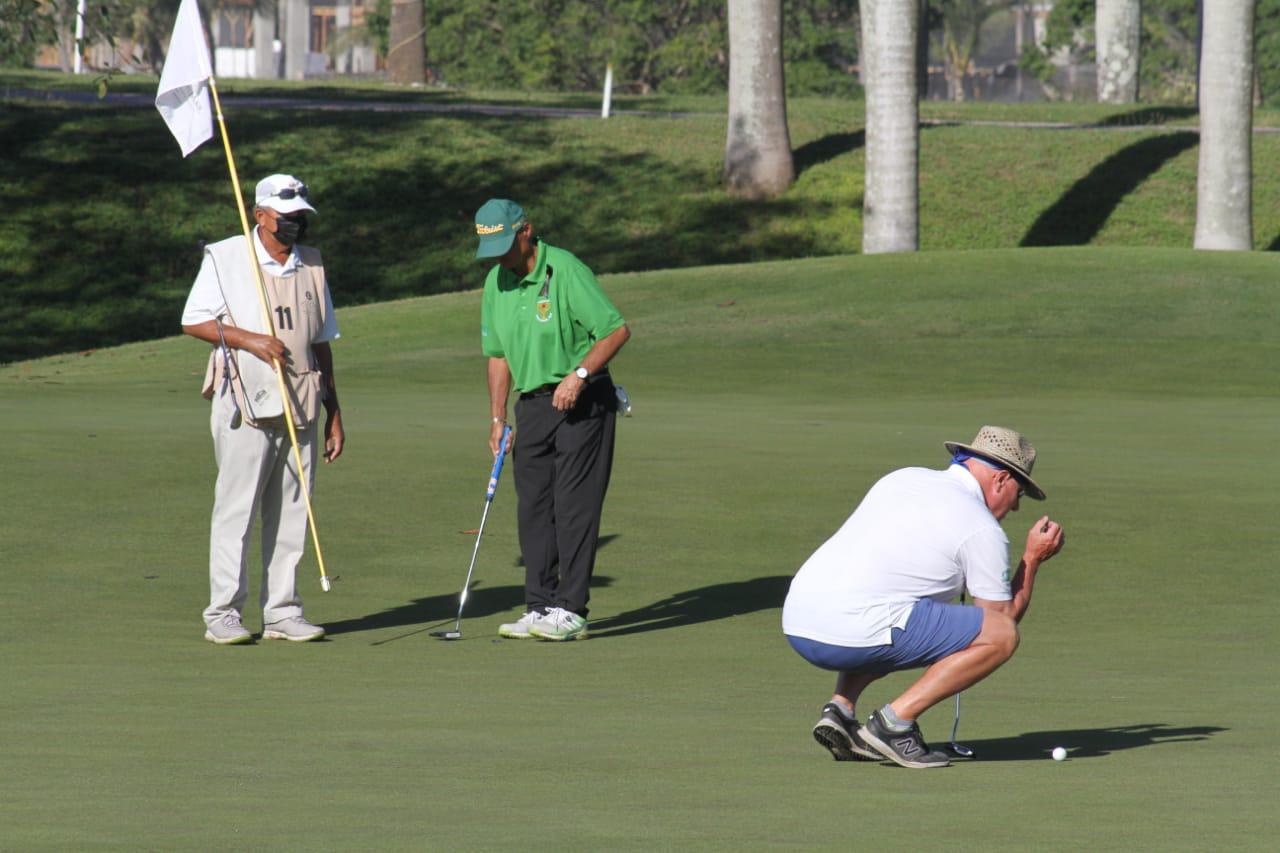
<point x="955" y="725"/>
<point x="490" y="489"/>
<point x="462" y="598"/>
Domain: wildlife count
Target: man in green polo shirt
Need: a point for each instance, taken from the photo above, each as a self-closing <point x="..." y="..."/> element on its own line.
<point x="549" y="331"/>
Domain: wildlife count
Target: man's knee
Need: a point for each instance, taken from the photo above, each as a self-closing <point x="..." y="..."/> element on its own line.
<point x="1000" y="632"/>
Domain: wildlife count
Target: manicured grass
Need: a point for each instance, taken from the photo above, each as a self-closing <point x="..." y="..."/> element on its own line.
<point x="105" y="219"/>
<point x="768" y="398"/>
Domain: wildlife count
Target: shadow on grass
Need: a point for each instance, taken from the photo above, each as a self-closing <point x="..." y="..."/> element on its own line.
<point x="1077" y="217"/>
<point x="1086" y="743"/>
<point x="481" y="601"/>
<point x="827" y="148"/>
<point x="704" y="604"/>
<point x="1274" y="245"/>
<point x="396" y="196"/>
<point x="423" y="614"/>
<point x="1147" y="116"/>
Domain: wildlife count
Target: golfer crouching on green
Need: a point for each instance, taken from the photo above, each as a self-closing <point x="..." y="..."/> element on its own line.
<point x="873" y="599"/>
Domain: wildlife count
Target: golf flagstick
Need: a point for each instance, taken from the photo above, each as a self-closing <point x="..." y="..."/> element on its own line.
<point x="271" y="330"/>
<point x="184" y="105"/>
<point x="488" y="502"/>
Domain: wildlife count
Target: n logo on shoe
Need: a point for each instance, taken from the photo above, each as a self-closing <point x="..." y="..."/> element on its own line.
<point x="907" y="746"/>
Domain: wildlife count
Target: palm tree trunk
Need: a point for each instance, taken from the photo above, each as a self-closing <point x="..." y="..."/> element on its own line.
<point x="406" y="49"/>
<point x="1118" y="34"/>
<point x="1224" y="183"/>
<point x="890" y="216"/>
<point x="757" y="153"/>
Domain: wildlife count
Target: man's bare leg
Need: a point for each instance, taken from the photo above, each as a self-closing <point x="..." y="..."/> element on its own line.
<point x="849" y="686"/>
<point x="995" y="644"/>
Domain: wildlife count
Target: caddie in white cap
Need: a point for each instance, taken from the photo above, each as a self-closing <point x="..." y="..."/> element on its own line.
<point x="256" y="466"/>
<point x="874" y="598"/>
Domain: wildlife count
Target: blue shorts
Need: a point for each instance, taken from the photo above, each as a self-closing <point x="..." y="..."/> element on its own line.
<point x="932" y="632"/>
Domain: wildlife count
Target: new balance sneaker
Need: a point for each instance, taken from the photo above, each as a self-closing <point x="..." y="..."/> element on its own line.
<point x="907" y="749"/>
<point x="559" y="624"/>
<point x="228" y="631"/>
<point x="839" y="734"/>
<point x="295" y="629"/>
<point x="519" y="629"/>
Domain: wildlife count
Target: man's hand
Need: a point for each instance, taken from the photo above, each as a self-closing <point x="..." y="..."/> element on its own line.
<point x="495" y="438"/>
<point x="567" y="392"/>
<point x="265" y="347"/>
<point x="334" y="437"/>
<point x="1043" y="540"/>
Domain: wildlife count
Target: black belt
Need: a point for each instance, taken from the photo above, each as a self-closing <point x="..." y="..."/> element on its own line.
<point x="541" y="391"/>
<point x="550" y="388"/>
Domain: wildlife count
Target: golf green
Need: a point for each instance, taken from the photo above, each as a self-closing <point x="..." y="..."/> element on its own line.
<point x="767" y="399"/>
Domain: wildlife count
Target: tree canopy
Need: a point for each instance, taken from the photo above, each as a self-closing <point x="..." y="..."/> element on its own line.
<point x="667" y="46"/>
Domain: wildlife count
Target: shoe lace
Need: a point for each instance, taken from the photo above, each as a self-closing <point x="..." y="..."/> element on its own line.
<point x="231" y="620"/>
<point x="562" y="618"/>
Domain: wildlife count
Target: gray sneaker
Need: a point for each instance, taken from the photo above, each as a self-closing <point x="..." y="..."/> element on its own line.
<point x="839" y="735"/>
<point x="295" y="629"/>
<point x="519" y="629"/>
<point x="559" y="624"/>
<point x="906" y="749"/>
<point x="228" y="631"/>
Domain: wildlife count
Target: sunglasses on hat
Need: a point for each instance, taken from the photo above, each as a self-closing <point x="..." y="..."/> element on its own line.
<point x="287" y="193"/>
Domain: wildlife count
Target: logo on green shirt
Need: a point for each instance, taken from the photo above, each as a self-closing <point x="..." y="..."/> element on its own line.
<point x="544" y="299"/>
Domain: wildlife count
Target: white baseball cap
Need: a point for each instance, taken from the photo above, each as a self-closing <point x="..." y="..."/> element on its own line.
<point x="282" y="193"/>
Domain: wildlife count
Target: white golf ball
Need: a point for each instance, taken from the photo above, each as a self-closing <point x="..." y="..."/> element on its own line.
<point x="1059" y="754"/>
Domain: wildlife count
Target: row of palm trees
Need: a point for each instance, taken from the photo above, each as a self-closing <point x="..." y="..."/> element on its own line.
<point x="758" y="159"/>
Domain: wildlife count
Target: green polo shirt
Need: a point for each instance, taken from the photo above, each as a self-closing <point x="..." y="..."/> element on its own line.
<point x="544" y="323"/>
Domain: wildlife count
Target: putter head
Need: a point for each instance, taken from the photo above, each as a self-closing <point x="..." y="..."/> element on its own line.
<point x="960" y="750"/>
<point x="447" y="635"/>
<point x="324" y="584"/>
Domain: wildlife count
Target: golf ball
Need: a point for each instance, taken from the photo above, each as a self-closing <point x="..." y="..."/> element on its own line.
<point x="1059" y="754"/>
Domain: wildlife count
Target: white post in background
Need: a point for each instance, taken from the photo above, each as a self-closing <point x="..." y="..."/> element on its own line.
<point x="79" y="58"/>
<point x="608" y="90"/>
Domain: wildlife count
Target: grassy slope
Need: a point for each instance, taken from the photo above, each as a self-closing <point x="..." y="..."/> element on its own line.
<point x="768" y="397"/>
<point x="103" y="217"/>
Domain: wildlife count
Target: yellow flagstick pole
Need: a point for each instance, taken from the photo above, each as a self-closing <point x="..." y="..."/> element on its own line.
<point x="271" y="329"/>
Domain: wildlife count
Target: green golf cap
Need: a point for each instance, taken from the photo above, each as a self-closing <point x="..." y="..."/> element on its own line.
<point x="497" y="222"/>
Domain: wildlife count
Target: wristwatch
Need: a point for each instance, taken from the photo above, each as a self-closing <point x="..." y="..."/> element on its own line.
<point x="582" y="373"/>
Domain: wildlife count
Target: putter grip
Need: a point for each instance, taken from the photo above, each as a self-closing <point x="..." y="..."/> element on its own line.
<point x="497" y="464"/>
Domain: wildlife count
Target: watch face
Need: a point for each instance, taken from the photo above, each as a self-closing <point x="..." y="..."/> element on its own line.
<point x="582" y="372"/>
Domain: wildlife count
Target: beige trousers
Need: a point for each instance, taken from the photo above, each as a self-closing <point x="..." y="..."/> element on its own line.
<point x="256" y="473"/>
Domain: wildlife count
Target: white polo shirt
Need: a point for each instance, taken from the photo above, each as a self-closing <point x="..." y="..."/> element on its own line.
<point x="205" y="301"/>
<point x="919" y="533"/>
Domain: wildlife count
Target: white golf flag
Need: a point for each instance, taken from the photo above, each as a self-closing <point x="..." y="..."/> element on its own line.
<point x="183" y="96"/>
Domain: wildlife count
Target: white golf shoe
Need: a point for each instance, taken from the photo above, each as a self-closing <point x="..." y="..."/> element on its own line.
<point x="228" y="631"/>
<point x="559" y="625"/>
<point x="519" y="629"/>
<point x="295" y="629"/>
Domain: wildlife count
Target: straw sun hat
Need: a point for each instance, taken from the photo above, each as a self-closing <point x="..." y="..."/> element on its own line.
<point x="1008" y="449"/>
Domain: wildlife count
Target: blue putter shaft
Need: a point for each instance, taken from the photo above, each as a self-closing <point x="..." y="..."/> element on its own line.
<point x="488" y="502"/>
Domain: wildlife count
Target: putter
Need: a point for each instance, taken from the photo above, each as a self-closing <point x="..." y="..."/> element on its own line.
<point x="955" y="748"/>
<point x="456" y="633"/>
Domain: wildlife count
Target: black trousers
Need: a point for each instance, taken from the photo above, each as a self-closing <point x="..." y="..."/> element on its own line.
<point x="562" y="462"/>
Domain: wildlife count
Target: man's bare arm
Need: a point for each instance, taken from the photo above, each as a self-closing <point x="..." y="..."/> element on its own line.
<point x="264" y="347"/>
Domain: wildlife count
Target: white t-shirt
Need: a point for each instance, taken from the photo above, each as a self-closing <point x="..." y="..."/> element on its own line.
<point x="918" y="533"/>
<point x="205" y="301"/>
